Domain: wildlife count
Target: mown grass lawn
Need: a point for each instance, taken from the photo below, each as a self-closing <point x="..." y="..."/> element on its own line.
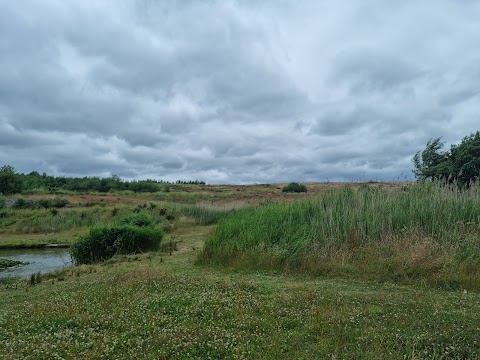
<point x="161" y="306"/>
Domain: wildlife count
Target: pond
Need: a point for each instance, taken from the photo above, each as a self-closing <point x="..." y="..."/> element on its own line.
<point x="40" y="260"/>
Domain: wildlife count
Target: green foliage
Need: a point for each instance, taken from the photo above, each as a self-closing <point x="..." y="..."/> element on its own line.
<point x="465" y="159"/>
<point x="132" y="234"/>
<point x="137" y="219"/>
<point x="432" y="162"/>
<point x="53" y="203"/>
<point x="10" y="182"/>
<point x="290" y="235"/>
<point x="204" y="215"/>
<point x="295" y="188"/>
<point x="3" y="202"/>
<point x="6" y="263"/>
<point x="25" y="204"/>
<point x="22" y="204"/>
<point x="461" y="163"/>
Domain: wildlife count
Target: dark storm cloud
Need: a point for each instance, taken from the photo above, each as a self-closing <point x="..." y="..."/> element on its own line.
<point x="230" y="91"/>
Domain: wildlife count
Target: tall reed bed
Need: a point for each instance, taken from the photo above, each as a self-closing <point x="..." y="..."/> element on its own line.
<point x="341" y="227"/>
<point x="206" y="215"/>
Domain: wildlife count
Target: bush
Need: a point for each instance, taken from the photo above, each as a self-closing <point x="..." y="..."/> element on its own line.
<point x="25" y="204"/>
<point x="3" y="203"/>
<point x="132" y="234"/>
<point x="294" y="187"/>
<point x="53" y="203"/>
<point x="59" y="203"/>
<point x="138" y="219"/>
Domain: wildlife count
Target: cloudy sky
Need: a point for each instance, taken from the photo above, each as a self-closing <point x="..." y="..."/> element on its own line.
<point x="235" y="91"/>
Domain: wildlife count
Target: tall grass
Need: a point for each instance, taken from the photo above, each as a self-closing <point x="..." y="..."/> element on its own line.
<point x="342" y="227"/>
<point x="204" y="215"/>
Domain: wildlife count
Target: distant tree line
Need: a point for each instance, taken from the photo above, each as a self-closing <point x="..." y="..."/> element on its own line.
<point x="12" y="182"/>
<point x="460" y="164"/>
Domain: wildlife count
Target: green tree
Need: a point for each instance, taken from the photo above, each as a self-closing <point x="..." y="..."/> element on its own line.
<point x="10" y="182"/>
<point x="461" y="163"/>
<point x="465" y="159"/>
<point x="432" y="163"/>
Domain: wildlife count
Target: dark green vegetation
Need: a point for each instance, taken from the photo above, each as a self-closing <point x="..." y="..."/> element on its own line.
<point x="42" y="203"/>
<point x="163" y="304"/>
<point x="130" y="235"/>
<point x="12" y="182"/>
<point x="6" y="263"/>
<point x="294" y="187"/>
<point x="427" y="232"/>
<point x="460" y="164"/>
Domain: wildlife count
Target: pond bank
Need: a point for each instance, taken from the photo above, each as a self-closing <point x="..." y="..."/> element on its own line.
<point x="33" y="246"/>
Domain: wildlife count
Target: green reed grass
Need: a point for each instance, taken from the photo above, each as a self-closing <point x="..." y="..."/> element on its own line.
<point x="290" y="232"/>
<point x="205" y="215"/>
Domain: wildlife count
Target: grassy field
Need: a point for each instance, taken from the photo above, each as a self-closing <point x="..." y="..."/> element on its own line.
<point x="165" y="305"/>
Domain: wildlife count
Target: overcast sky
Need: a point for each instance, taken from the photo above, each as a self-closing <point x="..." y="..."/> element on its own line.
<point x="235" y="91"/>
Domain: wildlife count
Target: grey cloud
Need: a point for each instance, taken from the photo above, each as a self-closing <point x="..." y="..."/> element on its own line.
<point x="364" y="70"/>
<point x="234" y="91"/>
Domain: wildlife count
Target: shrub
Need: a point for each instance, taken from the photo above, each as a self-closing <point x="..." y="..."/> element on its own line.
<point x="45" y="203"/>
<point x="130" y="235"/>
<point x="59" y="203"/>
<point x="3" y="203"/>
<point x="25" y="204"/>
<point x="294" y="187"/>
<point x="137" y="219"/>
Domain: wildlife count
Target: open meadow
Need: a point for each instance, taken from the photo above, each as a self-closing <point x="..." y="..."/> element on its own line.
<point x="343" y="271"/>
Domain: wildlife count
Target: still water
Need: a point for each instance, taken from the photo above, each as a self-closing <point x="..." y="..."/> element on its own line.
<point x="40" y="260"/>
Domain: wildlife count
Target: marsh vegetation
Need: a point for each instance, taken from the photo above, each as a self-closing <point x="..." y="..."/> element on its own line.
<point x="426" y="232"/>
<point x="380" y="270"/>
